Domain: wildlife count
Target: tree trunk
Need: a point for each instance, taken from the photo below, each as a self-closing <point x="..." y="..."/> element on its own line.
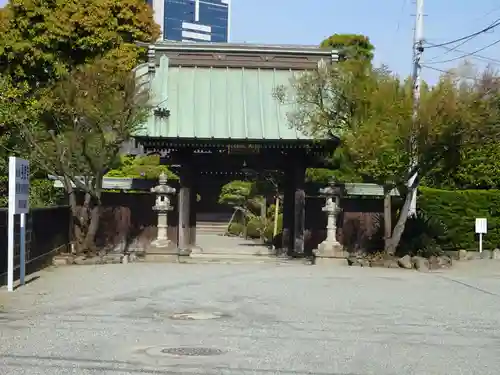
<point x="387" y="221"/>
<point x="85" y="221"/>
<point x="93" y="226"/>
<point x="400" y="225"/>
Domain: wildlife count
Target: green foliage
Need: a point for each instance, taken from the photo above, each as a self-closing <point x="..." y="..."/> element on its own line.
<point x="42" y="41"/>
<point x="77" y="131"/>
<point x="141" y="167"/>
<point x="423" y="235"/>
<point x="355" y="46"/>
<point x="371" y="110"/>
<point x="15" y="110"/>
<point x="236" y="229"/>
<point x="82" y="124"/>
<point x="458" y="210"/>
<point x="474" y="168"/>
<point x="42" y="193"/>
<point x="323" y="176"/>
<point x="254" y="204"/>
<point x="269" y="229"/>
<point x="255" y="227"/>
<point x="320" y="175"/>
<point x="235" y="193"/>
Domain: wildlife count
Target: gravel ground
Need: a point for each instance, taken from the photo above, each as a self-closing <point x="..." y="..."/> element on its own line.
<point x="268" y="319"/>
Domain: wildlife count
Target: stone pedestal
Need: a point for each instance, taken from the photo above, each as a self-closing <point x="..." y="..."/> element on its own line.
<point x="330" y="250"/>
<point x="162" y="240"/>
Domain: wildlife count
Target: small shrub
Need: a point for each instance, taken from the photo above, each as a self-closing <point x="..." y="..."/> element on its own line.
<point x="236" y="229"/>
<point x="423" y="235"/>
<point x="255" y="227"/>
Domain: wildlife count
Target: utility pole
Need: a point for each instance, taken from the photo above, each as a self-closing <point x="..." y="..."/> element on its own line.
<point x="418" y="49"/>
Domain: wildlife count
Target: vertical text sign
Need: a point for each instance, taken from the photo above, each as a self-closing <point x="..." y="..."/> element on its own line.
<point x="19" y="186"/>
<point x="481" y="226"/>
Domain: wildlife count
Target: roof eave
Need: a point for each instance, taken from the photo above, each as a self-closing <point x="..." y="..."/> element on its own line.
<point x="173" y="46"/>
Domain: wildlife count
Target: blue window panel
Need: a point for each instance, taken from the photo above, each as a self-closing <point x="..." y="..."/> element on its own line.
<point x="217" y="18"/>
<point x="212" y="13"/>
<point x="177" y="11"/>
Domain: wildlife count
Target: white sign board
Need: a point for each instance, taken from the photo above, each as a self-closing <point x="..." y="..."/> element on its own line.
<point x="19" y="186"/>
<point x="19" y="191"/>
<point x="481" y="226"/>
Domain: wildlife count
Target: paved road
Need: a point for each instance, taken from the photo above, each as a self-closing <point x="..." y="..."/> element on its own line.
<point x="288" y="319"/>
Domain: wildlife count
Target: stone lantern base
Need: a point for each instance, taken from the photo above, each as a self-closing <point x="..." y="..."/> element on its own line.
<point x="330" y="253"/>
<point x="161" y="251"/>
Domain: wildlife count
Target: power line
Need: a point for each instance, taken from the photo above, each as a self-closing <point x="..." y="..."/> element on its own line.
<point x="455" y="48"/>
<point x="468" y="37"/>
<point x="403" y="6"/>
<point x="467" y="54"/>
<point x="475" y="79"/>
<point x="448" y="72"/>
<point x="488" y="13"/>
<point x="476" y="56"/>
<point x="452" y="49"/>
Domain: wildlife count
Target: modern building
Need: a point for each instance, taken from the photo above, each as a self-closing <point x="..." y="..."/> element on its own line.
<point x="193" y="20"/>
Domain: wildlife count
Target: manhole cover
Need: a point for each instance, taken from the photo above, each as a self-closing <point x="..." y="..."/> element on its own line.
<point x="200" y="315"/>
<point x="193" y="352"/>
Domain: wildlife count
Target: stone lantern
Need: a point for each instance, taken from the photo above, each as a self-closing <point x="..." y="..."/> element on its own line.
<point x="162" y="207"/>
<point x="330" y="247"/>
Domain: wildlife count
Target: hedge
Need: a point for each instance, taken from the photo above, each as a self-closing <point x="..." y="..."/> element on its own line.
<point x="458" y="210"/>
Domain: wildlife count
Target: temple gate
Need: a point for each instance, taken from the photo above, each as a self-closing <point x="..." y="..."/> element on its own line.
<point x="213" y="112"/>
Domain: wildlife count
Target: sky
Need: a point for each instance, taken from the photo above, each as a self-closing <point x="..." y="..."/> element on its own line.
<point x="388" y="23"/>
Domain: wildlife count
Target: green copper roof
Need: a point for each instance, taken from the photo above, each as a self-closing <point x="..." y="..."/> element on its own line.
<point x="218" y="103"/>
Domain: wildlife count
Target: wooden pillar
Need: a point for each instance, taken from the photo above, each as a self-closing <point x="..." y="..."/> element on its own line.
<point x="299" y="209"/>
<point x="288" y="212"/>
<point x="193" y="201"/>
<point x="186" y="181"/>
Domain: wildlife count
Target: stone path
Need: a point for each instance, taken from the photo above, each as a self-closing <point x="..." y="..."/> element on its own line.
<point x="252" y="319"/>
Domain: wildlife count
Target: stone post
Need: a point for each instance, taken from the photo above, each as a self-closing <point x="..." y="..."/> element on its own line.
<point x="330" y="248"/>
<point x="162" y="245"/>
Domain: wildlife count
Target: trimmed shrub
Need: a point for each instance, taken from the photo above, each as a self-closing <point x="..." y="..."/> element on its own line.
<point x="255" y="227"/>
<point x="236" y="229"/>
<point x="235" y="193"/>
<point x="458" y="210"/>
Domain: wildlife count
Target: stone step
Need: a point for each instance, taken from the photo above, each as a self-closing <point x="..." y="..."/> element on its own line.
<point x="215" y="224"/>
<point x="230" y="259"/>
<point x="248" y="251"/>
<point x="211" y="227"/>
<point x="227" y="253"/>
<point x="214" y="217"/>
